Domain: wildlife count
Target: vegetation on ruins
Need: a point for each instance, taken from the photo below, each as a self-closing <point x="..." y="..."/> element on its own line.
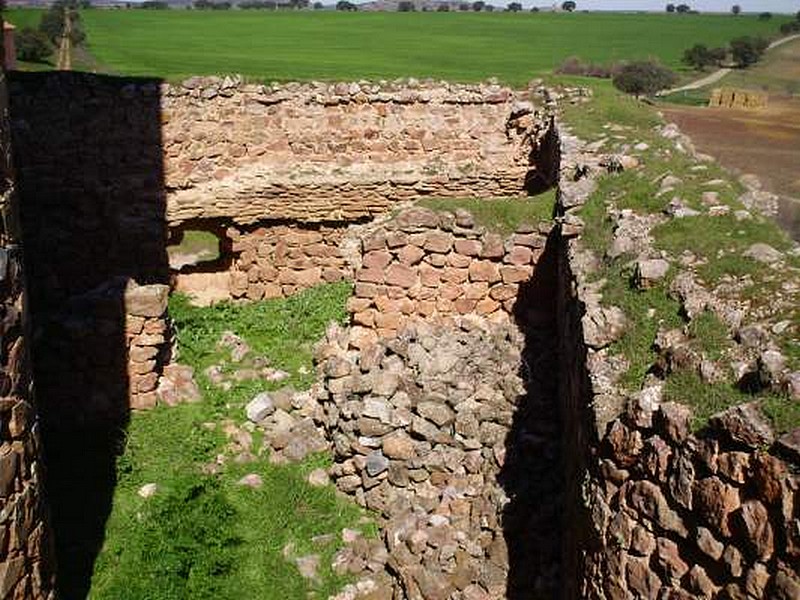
<point x="718" y="242"/>
<point x="203" y="535"/>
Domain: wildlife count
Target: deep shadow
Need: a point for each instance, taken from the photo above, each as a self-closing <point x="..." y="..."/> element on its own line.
<point x="532" y="475"/>
<point x="89" y="158"/>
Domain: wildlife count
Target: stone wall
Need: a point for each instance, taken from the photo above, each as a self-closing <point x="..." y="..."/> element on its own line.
<point x="325" y="152"/>
<point x="435" y="265"/>
<point x="26" y="569"/>
<point x="277" y="261"/>
<point x="247" y="153"/>
<point x="659" y="511"/>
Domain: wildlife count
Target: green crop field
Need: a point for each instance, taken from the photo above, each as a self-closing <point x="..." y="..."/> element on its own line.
<point x="266" y="45"/>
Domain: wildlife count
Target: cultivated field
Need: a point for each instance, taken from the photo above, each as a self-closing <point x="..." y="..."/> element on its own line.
<point x="328" y="45"/>
<point x="765" y="141"/>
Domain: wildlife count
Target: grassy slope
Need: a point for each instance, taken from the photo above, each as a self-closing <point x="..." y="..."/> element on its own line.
<point x="719" y="241"/>
<point x="202" y="536"/>
<point x="330" y="45"/>
<point x="778" y="73"/>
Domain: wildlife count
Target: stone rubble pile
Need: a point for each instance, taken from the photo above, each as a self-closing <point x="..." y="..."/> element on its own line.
<point x="421" y="427"/>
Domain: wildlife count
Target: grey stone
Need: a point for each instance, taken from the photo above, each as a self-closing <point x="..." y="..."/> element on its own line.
<point x="376" y="463"/>
<point x="763" y="253"/>
<point x="260" y="407"/>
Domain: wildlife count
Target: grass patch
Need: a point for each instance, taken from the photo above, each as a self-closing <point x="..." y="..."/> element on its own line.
<point x="707" y="399"/>
<point x="782" y="411"/>
<point x="203" y="536"/>
<point x="329" y="45"/>
<point x="646" y="311"/>
<point x="501" y="215"/>
<point x="687" y="98"/>
<point x="710" y="334"/>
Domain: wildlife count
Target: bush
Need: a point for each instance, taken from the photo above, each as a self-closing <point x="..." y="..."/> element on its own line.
<point x="700" y="57"/>
<point x="747" y="50"/>
<point x="643" y="78"/>
<point x="790" y="27"/>
<point x="32" y="45"/>
<point x="575" y="66"/>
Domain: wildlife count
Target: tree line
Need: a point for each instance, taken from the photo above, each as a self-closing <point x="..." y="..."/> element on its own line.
<point x="37" y="45"/>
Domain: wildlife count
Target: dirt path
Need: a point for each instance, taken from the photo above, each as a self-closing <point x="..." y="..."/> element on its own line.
<point x="720" y="73"/>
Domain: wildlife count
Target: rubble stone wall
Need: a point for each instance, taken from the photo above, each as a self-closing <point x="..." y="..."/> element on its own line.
<point x="435" y="265"/>
<point x="26" y="569"/>
<point x="277" y="261"/>
<point x="655" y="509"/>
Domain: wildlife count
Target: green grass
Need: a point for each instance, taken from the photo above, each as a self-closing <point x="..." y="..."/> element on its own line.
<point x="688" y="97"/>
<point x="203" y="536"/>
<point x="500" y="215"/>
<point x="707" y="399"/>
<point x="267" y="45"/>
<point x="716" y="242"/>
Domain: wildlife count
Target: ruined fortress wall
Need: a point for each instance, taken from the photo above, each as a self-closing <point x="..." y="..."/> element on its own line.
<point x="326" y="152"/>
<point x="25" y="557"/>
<point x="655" y="509"/>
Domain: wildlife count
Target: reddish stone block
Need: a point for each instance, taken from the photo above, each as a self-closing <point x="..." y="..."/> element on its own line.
<point x="492" y="246"/>
<point x="391" y="320"/>
<point x="367" y="290"/>
<point x="401" y="275"/>
<point x="468" y="247"/>
<point x="484" y="270"/>
<point x="504" y="291"/>
<point x="429" y="276"/>
<point x="370" y="275"/>
<point x="377" y="259"/>
<point x="453" y="275"/>
<point x="450" y="291"/>
<point x="464" y="305"/>
<point x="515" y="274"/>
<point x="477" y="290"/>
<point x="458" y="260"/>
<point x="410" y="255"/>
<point x="439" y="242"/>
<point x="365" y="318"/>
<point x="519" y="255"/>
<point x="486" y="306"/>
<point x="355" y="304"/>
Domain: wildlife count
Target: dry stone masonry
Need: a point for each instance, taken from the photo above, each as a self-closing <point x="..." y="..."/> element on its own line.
<point x="471" y="402"/>
<point x="26" y="568"/>
<point x="659" y="511"/>
<point x="435" y="265"/>
<point x="327" y="152"/>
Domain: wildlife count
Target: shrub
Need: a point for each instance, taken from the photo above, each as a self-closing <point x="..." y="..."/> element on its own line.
<point x="643" y="78"/>
<point x="568" y="6"/>
<point x="790" y="27"/>
<point x="699" y="56"/>
<point x="514" y="7"/>
<point x="747" y="50"/>
<point x="575" y="66"/>
<point x="32" y="45"/>
<point x="765" y="16"/>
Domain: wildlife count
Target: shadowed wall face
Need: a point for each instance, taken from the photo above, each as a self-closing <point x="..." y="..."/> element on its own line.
<point x="91" y="183"/>
<point x="25" y="557"/>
